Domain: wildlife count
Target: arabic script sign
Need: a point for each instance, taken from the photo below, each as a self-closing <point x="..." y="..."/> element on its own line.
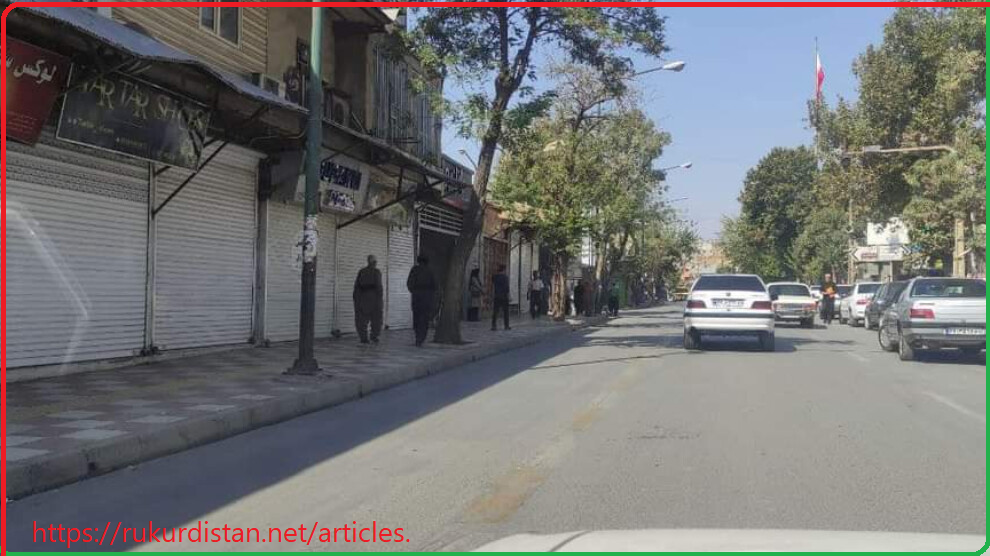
<point x="135" y="118"/>
<point x="35" y="78"/>
<point x="343" y="184"/>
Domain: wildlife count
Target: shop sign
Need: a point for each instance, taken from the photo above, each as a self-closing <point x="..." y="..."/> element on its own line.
<point x="35" y="78"/>
<point x="131" y="117"/>
<point x="343" y="185"/>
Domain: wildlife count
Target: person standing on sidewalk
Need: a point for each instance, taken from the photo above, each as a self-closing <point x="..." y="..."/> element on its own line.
<point x="613" y="300"/>
<point x="423" y="287"/>
<point x="368" y="301"/>
<point x="535" y="295"/>
<point x="500" y="297"/>
<point x="579" y="299"/>
<point x="476" y="288"/>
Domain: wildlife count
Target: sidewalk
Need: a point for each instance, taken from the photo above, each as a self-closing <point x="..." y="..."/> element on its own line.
<point x="60" y="430"/>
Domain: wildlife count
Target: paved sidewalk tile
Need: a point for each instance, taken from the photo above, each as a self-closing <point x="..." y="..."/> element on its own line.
<point x="76" y="413"/>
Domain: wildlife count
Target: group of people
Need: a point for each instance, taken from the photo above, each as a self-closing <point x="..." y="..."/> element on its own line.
<point x="422" y="285"/>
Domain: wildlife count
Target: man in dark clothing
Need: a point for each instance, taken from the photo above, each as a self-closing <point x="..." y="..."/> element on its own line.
<point x="368" y="305"/>
<point x="500" y="297"/>
<point x="423" y="287"/>
<point x="829" y="293"/>
<point x="579" y="299"/>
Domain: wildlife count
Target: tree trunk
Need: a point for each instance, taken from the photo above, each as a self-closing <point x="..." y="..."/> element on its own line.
<point x="599" y="277"/>
<point x="558" y="299"/>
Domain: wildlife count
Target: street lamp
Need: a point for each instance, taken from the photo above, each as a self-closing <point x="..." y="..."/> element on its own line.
<point x="684" y="166"/>
<point x="670" y="66"/>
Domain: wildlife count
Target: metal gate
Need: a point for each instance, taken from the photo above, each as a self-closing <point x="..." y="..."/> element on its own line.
<point x="401" y="258"/>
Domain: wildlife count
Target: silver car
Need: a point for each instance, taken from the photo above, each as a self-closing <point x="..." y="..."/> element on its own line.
<point x="936" y="313"/>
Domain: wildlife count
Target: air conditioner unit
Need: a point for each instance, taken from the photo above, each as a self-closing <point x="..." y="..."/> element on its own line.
<point x="270" y="84"/>
<point x="338" y="109"/>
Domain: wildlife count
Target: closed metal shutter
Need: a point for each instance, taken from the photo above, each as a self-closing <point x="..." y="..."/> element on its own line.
<point x="354" y="244"/>
<point x="204" y="270"/>
<point x="285" y="224"/>
<point x="440" y="219"/>
<point x="401" y="258"/>
<point x="76" y="259"/>
<point x="526" y="272"/>
<point x="515" y="261"/>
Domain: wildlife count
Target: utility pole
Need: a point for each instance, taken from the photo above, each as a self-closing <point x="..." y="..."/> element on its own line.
<point x="306" y="363"/>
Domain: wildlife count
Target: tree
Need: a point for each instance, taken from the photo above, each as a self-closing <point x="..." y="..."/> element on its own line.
<point x="822" y="246"/>
<point x="593" y="150"/>
<point x="777" y="196"/>
<point x="494" y="47"/>
<point x="924" y="85"/>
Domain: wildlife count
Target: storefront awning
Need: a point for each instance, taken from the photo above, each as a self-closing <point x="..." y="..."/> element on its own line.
<point x="134" y="43"/>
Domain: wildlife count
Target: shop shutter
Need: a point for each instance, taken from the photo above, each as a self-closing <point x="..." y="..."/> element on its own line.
<point x="401" y="258"/>
<point x="205" y="269"/>
<point x="355" y="243"/>
<point x="440" y="219"/>
<point x="76" y="258"/>
<point x="285" y="223"/>
<point x="515" y="260"/>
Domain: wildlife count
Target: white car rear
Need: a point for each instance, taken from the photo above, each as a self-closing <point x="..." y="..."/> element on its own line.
<point x="728" y="304"/>
<point x="853" y="308"/>
<point x="794" y="302"/>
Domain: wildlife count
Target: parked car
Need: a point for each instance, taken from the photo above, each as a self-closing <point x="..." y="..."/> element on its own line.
<point x="841" y="292"/>
<point x="728" y="304"/>
<point x="794" y="302"/>
<point x="936" y="313"/>
<point x="887" y="294"/>
<point x="853" y="306"/>
<point x="816" y="292"/>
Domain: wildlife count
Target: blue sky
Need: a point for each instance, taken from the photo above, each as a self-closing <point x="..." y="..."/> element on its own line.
<point x="749" y="74"/>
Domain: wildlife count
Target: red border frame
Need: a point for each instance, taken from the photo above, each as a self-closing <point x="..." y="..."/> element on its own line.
<point x="3" y="121"/>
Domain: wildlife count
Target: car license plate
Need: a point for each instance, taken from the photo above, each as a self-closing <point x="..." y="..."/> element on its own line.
<point x="965" y="331"/>
<point x="728" y="303"/>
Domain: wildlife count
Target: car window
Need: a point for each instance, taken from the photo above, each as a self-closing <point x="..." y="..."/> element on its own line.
<point x="949" y="288"/>
<point x="843" y="290"/>
<point x="894" y="290"/>
<point x="729" y="283"/>
<point x="790" y="289"/>
<point x="868" y="288"/>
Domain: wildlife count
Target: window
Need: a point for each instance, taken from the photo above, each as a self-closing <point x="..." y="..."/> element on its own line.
<point x="868" y="288"/>
<point x="225" y="22"/>
<point x="796" y="290"/>
<point x="949" y="288"/>
<point x="728" y="283"/>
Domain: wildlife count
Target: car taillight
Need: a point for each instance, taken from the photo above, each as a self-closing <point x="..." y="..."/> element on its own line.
<point x="922" y="313"/>
<point x="696" y="304"/>
<point x="764" y="305"/>
<point x="863" y="301"/>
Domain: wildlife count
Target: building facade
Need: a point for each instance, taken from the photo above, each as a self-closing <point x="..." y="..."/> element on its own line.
<point x="176" y="223"/>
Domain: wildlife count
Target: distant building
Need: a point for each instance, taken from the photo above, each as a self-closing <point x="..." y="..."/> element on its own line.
<point x="709" y="258"/>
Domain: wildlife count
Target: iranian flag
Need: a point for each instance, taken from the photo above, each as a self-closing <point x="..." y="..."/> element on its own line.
<point x="819" y="77"/>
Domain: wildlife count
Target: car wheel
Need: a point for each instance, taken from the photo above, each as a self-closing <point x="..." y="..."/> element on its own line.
<point x="885" y="343"/>
<point x="692" y="341"/>
<point x="767" y="341"/>
<point x="904" y="349"/>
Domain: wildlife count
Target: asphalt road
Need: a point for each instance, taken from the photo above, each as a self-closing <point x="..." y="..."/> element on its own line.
<point x="613" y="428"/>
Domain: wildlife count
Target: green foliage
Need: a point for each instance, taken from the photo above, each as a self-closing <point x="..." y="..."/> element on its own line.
<point x="822" y="245"/>
<point x="777" y="196"/>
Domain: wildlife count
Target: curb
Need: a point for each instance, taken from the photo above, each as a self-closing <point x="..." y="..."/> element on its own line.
<point x="99" y="458"/>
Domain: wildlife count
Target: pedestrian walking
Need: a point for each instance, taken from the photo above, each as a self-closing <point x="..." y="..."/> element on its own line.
<point x="535" y="295"/>
<point x="500" y="297"/>
<point x="423" y="287"/>
<point x="579" y="298"/>
<point x="368" y="301"/>
<point x="476" y="289"/>
<point x="829" y="291"/>
<point x="613" y="300"/>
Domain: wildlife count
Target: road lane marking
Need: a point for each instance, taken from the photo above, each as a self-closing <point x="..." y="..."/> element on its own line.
<point x="949" y="403"/>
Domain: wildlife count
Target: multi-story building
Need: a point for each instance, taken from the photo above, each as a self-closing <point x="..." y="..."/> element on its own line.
<point x="154" y="196"/>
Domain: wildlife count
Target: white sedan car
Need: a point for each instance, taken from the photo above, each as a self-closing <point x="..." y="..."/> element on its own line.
<point x="793" y="301"/>
<point x="852" y="308"/>
<point x="728" y="305"/>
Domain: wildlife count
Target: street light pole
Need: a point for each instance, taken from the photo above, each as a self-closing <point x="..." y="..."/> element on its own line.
<point x="306" y="363"/>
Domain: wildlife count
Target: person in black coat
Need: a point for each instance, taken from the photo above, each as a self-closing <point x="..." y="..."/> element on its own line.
<point x="500" y="297"/>
<point x="423" y="287"/>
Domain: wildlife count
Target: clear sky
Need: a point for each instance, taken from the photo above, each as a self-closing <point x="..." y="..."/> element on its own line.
<point x="749" y="74"/>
